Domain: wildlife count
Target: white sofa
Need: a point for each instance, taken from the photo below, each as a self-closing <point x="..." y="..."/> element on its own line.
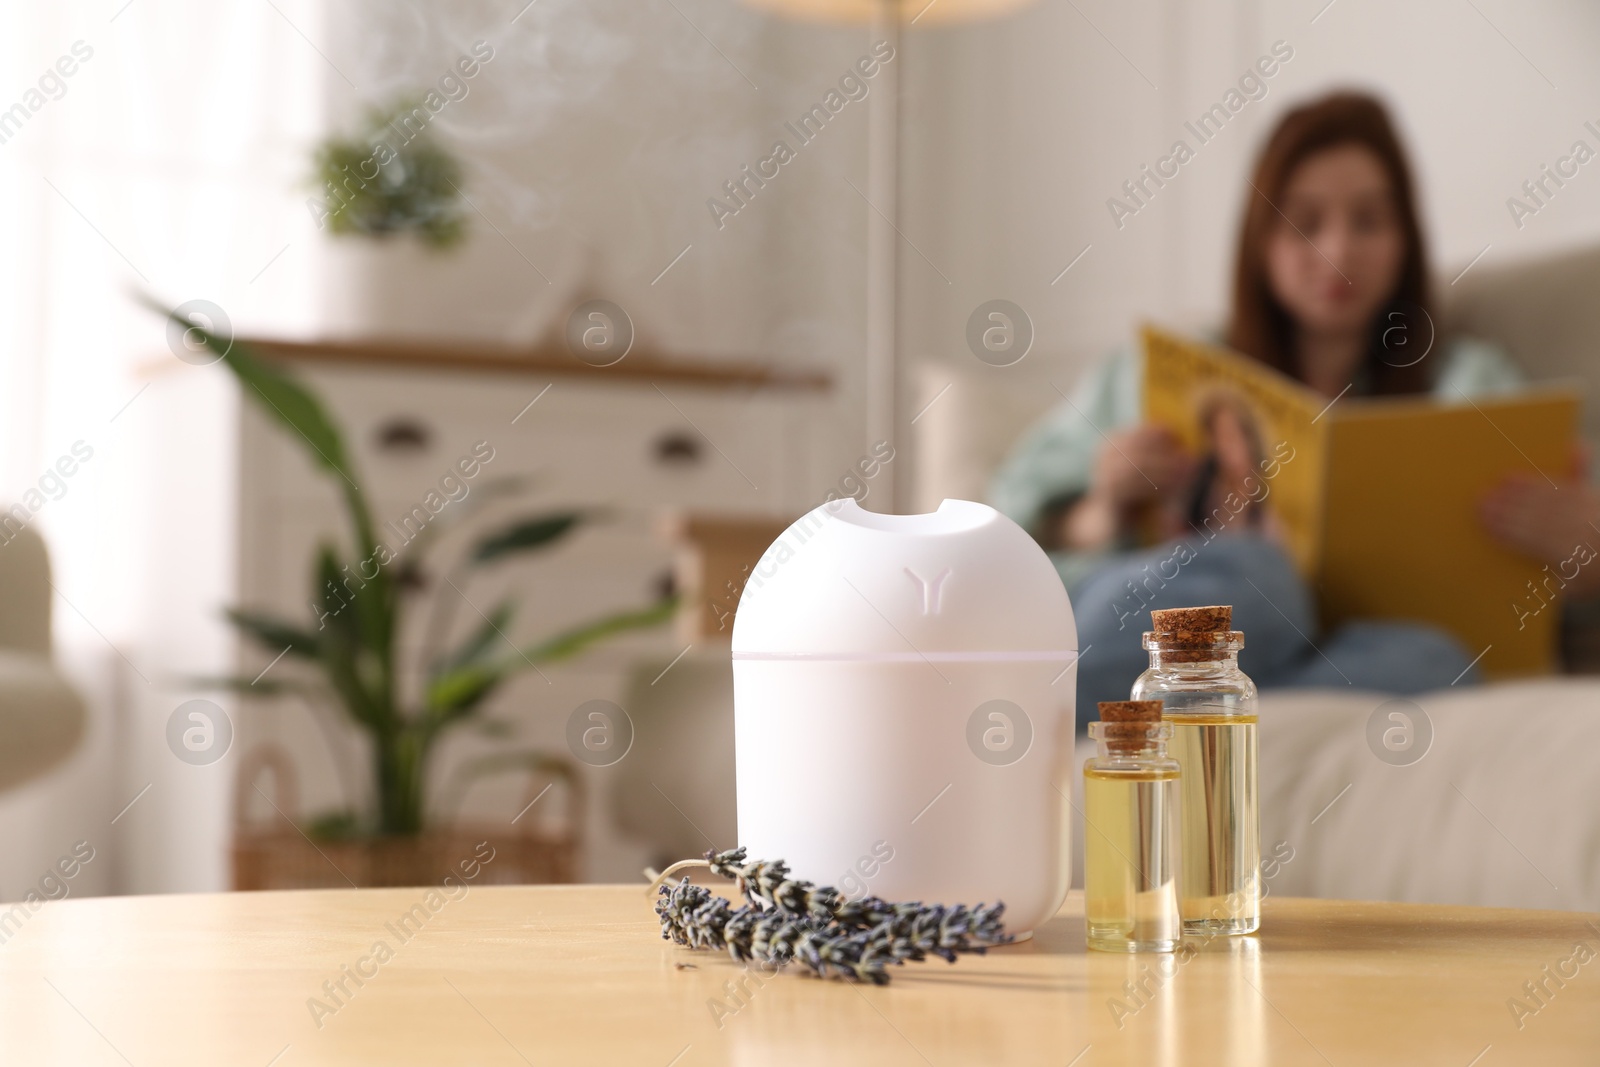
<point x="41" y="716"/>
<point x="55" y="766"/>
<point x="1501" y="810"/>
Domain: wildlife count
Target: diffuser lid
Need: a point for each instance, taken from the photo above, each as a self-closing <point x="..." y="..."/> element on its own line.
<point x="960" y="582"/>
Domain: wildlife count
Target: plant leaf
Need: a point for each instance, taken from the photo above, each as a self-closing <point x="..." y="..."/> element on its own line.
<point x="275" y="634"/>
<point x="335" y="826"/>
<point x="481" y="640"/>
<point x="486" y="494"/>
<point x="526" y="534"/>
<point x="297" y="408"/>
<point x="333" y="606"/>
<point x="453" y="694"/>
<point x="340" y="648"/>
<point x="291" y="403"/>
<point x="251" y="687"/>
<point x="570" y="642"/>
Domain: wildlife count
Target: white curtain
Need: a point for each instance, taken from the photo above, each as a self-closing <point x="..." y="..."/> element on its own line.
<point x="167" y="167"/>
<point x="149" y="147"/>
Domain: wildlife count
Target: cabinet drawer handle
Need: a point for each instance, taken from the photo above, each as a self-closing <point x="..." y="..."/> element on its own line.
<point x="677" y="447"/>
<point x="403" y="434"/>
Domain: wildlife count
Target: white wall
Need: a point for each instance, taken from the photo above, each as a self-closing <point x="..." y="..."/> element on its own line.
<point x="1019" y="132"/>
<point x="594" y="138"/>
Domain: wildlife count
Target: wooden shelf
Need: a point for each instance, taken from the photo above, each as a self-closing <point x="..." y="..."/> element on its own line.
<point x="638" y="367"/>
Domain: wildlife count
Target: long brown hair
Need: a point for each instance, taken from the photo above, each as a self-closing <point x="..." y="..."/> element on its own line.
<point x="1260" y="326"/>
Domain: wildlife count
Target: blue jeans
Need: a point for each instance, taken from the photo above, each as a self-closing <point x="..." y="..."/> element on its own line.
<point x="1271" y="604"/>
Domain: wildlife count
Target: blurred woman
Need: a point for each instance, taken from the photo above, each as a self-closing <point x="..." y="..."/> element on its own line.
<point x="1330" y="287"/>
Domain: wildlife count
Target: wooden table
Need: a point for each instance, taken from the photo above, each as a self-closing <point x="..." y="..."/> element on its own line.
<point x="570" y="975"/>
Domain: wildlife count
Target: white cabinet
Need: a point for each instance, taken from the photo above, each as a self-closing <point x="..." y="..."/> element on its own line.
<point x="628" y="449"/>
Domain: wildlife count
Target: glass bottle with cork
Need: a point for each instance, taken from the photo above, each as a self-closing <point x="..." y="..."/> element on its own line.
<point x="1130" y="808"/>
<point x="1211" y="706"/>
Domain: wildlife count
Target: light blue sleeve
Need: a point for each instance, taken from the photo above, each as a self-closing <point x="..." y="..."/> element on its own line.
<point x="1474" y="367"/>
<point x="1054" y="460"/>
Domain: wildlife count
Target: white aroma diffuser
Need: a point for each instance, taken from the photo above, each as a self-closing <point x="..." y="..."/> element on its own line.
<point x="903" y="708"/>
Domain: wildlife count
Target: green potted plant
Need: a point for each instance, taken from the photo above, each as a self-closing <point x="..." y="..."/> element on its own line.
<point x="411" y="249"/>
<point x="384" y="181"/>
<point x="351" y="643"/>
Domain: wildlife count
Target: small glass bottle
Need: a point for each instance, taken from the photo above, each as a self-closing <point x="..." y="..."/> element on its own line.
<point x="1130" y="809"/>
<point x="1211" y="705"/>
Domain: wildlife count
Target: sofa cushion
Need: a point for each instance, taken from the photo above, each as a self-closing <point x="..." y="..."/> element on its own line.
<point x="1542" y="310"/>
<point x="1503" y="809"/>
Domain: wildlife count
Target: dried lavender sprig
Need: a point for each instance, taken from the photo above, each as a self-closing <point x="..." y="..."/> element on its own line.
<point x="776" y="938"/>
<point x="767" y="883"/>
<point x="790" y="920"/>
<point x="692" y="915"/>
<point x="942" y="931"/>
<point x="936" y="927"/>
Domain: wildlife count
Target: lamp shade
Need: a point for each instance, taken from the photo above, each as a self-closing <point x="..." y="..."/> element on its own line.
<point x="922" y="11"/>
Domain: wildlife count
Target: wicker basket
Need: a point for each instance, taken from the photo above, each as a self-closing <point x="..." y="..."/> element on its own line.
<point x="276" y="854"/>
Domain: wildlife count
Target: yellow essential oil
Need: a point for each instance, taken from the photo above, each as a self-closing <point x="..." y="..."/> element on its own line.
<point x="1211" y="707"/>
<point x="1221" y="841"/>
<point x="1132" y="807"/>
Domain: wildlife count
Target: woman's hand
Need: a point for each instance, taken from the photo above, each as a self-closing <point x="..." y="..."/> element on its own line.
<point x="1140" y="464"/>
<point x="1135" y="466"/>
<point x="1559" y="526"/>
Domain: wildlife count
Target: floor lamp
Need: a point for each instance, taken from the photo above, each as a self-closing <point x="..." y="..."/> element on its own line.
<point x="887" y="19"/>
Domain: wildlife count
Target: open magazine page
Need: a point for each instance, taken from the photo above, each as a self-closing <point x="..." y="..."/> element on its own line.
<point x="1258" y="437"/>
<point x="1375" y="499"/>
<point x="1403" y="540"/>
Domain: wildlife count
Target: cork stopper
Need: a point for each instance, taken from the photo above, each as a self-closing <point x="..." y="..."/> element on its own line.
<point x="1126" y="724"/>
<point x="1130" y="711"/>
<point x="1204" y="620"/>
<point x="1194" y="634"/>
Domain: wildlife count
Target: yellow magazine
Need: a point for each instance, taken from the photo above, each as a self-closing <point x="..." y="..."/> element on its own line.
<point x="1375" y="499"/>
